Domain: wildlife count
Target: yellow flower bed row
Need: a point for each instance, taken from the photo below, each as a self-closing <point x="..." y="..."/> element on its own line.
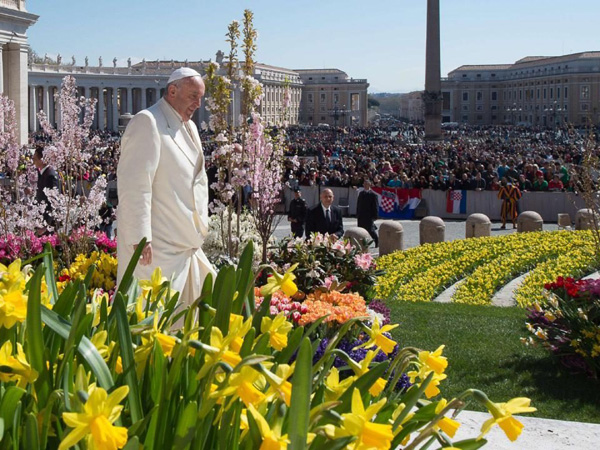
<point x="423" y="270"/>
<point x="487" y="263"/>
<point x="524" y="254"/>
<point x="579" y="261"/>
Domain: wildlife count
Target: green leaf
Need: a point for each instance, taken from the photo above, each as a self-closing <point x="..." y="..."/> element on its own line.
<point x="245" y="277"/>
<point x="294" y="340"/>
<point x="410" y="399"/>
<point x="470" y="444"/>
<point x="132" y="444"/>
<point x="31" y="438"/>
<point x="223" y="296"/>
<point x="16" y="421"/>
<point x="49" y="275"/>
<point x="34" y="336"/>
<point x="1" y="429"/>
<point x="10" y="399"/>
<point x="126" y="348"/>
<point x="127" y="279"/>
<point x="85" y="348"/>
<point x="300" y="402"/>
<point x="186" y="427"/>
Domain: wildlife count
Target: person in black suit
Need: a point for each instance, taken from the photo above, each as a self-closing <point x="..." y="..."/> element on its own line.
<point x="325" y="218"/>
<point x="47" y="178"/>
<point x="367" y="211"/>
<point x="297" y="214"/>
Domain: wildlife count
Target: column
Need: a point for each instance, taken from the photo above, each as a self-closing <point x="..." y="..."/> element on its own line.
<point x="129" y="100"/>
<point x="433" y="83"/>
<point x="2" y="89"/>
<point x="16" y="86"/>
<point x="58" y="112"/>
<point x="46" y="100"/>
<point x="101" y="108"/>
<point x="143" y="93"/>
<point x="32" y="109"/>
<point x="115" y="110"/>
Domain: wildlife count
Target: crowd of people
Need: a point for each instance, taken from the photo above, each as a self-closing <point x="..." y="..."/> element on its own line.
<point x="470" y="158"/>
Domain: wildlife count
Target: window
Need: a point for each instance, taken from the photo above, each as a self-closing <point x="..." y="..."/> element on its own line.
<point x="479" y="117"/>
<point x="310" y="98"/>
<point x="479" y="108"/>
<point x="551" y="93"/>
<point x="322" y="98"/>
<point x="336" y="98"/>
<point x="355" y="102"/>
<point x="557" y="92"/>
<point x="538" y="93"/>
<point x="478" y="75"/>
<point x="465" y="118"/>
<point x="322" y="117"/>
<point x="322" y="108"/>
<point x="585" y="107"/>
<point x="545" y="93"/>
<point x="494" y="107"/>
<point x="494" y="117"/>
<point x="493" y="75"/>
<point x="465" y="96"/>
<point x="465" y="107"/>
<point x="585" y="93"/>
<point x="566" y="92"/>
<point x="464" y="75"/>
<point x="310" y="78"/>
<point x="479" y="96"/>
<point x="494" y="96"/>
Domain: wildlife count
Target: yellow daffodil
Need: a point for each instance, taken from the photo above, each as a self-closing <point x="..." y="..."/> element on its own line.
<point x="334" y="388"/>
<point x="13" y="299"/>
<point x="283" y="282"/>
<point x="271" y="437"/>
<point x="434" y="360"/>
<point x="502" y="414"/>
<point x="153" y="285"/>
<point x="378" y="339"/>
<point x="242" y="384"/>
<point x="432" y="388"/>
<point x="363" y="367"/>
<point x="95" y="423"/>
<point x="447" y="425"/>
<point x="226" y="348"/>
<point x="278" y="329"/>
<point x="279" y="386"/>
<point x="15" y="368"/>
<point x="358" y="423"/>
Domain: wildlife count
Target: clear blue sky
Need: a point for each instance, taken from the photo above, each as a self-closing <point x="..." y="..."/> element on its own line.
<point x="381" y="40"/>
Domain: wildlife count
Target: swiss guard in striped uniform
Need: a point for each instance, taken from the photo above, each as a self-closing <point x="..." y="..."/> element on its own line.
<point x="510" y="195"/>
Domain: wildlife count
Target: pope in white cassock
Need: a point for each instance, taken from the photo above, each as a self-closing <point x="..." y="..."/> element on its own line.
<point x="163" y="189"/>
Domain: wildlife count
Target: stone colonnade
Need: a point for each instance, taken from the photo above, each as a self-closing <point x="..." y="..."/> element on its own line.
<point x="112" y="102"/>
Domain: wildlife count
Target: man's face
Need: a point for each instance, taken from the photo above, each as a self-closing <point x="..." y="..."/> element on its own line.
<point x="327" y="198"/>
<point x="186" y="96"/>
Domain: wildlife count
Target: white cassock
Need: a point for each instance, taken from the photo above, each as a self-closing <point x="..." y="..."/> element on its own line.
<point x="163" y="196"/>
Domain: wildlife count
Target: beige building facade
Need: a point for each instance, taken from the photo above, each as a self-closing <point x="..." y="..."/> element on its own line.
<point x="534" y="91"/>
<point x="330" y="97"/>
<point x="127" y="90"/>
<point x="412" y="107"/>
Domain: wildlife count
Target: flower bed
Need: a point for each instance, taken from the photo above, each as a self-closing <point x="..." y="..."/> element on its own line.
<point x="567" y="323"/>
<point x="119" y="374"/>
<point x="485" y="263"/>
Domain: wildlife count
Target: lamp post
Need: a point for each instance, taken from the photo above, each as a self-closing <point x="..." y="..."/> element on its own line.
<point x="336" y="113"/>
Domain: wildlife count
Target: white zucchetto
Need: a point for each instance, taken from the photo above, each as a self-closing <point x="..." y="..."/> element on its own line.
<point x="182" y="72"/>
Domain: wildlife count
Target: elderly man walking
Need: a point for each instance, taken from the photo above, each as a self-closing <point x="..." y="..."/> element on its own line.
<point x="163" y="189"/>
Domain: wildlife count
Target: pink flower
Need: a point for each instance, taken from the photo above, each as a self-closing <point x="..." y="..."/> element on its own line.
<point x="363" y="261"/>
<point x="329" y="281"/>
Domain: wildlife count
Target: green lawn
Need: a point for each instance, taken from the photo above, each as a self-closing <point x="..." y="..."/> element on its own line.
<point x="484" y="352"/>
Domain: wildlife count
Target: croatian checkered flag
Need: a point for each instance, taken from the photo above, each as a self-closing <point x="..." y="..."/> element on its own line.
<point x="388" y="200"/>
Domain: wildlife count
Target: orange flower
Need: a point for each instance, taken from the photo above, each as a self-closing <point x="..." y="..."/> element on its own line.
<point x="339" y="307"/>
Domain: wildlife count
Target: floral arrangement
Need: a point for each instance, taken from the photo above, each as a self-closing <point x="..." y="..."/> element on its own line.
<point x="484" y="265"/>
<point x="119" y="376"/>
<point x="567" y="323"/>
<point x="324" y="260"/>
<point x="336" y="306"/>
<point x="103" y="277"/>
<point x="215" y="244"/>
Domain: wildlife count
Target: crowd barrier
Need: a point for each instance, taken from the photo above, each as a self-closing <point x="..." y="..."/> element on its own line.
<point x="547" y="204"/>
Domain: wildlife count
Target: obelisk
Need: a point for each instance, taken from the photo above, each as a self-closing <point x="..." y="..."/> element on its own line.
<point x="432" y="97"/>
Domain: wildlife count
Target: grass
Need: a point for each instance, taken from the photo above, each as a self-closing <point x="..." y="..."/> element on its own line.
<point x="484" y="352"/>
